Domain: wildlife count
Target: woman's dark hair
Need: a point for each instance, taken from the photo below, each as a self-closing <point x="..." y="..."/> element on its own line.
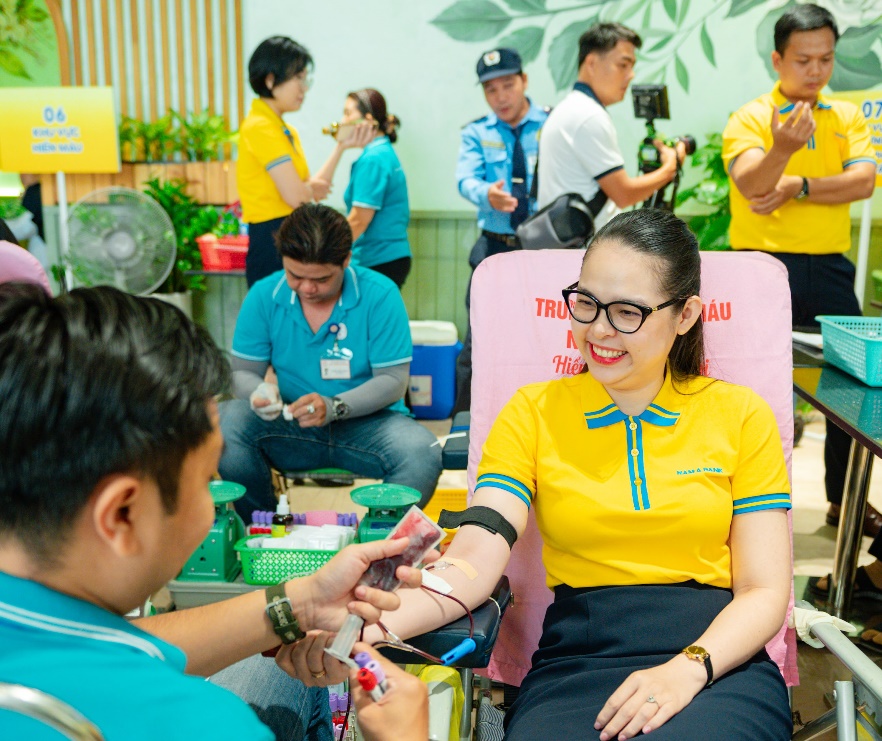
<point x="372" y="101"/>
<point x="279" y="56"/>
<point x="662" y="235"/>
<point x="803" y="18"/>
<point x="121" y="384"/>
<point x="6" y="234"/>
<point x="315" y="234"/>
<point x="602" y="37"/>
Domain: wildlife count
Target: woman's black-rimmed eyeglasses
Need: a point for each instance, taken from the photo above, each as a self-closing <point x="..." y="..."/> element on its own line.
<point x="624" y="316"/>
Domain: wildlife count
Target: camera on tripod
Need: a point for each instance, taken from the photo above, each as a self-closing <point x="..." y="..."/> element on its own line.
<point x="650" y="103"/>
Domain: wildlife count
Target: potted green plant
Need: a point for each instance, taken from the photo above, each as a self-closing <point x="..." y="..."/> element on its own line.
<point x="190" y="220"/>
<point x="710" y="196"/>
<point x="203" y="135"/>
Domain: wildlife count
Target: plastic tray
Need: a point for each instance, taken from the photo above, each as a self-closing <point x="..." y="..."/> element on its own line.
<point x="455" y="500"/>
<point x="222" y="253"/>
<point x="854" y="344"/>
<point x="272" y="566"/>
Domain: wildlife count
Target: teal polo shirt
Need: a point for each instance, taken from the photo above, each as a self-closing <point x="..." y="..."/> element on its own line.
<point x="130" y="684"/>
<point x="368" y="324"/>
<point x="377" y="182"/>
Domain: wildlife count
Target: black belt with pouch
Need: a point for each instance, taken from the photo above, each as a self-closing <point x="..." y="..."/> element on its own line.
<point x="565" y="223"/>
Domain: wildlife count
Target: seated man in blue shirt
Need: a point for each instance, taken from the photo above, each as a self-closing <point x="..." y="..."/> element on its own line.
<point x="338" y="339"/>
<point x="108" y="438"/>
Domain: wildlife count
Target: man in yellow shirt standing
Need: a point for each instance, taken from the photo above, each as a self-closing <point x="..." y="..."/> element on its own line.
<point x="797" y="160"/>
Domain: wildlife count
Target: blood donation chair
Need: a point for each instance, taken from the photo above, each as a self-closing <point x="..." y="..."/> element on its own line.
<point x="520" y="332"/>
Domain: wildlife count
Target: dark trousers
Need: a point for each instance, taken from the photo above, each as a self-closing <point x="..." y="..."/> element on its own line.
<point x="593" y="639"/>
<point x="824" y="284"/>
<point x="396" y="270"/>
<point x="482" y="249"/>
<point x="263" y="258"/>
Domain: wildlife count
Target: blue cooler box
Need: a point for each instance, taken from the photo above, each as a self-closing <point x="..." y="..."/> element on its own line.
<point x="433" y="369"/>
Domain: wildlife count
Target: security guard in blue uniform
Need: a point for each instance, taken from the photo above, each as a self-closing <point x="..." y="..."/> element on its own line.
<point x="497" y="160"/>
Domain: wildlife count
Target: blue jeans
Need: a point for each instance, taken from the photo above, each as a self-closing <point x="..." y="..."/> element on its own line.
<point x="384" y="445"/>
<point x="291" y="710"/>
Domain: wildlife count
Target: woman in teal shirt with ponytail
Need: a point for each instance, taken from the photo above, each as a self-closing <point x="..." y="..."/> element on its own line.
<point x="376" y="197"/>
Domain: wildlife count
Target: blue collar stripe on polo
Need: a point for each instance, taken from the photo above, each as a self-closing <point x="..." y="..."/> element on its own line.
<point x="654" y="415"/>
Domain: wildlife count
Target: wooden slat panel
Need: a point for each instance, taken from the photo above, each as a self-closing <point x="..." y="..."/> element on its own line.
<point x="91" y="44"/>
<point x="209" y="61"/>
<point x="47" y="190"/>
<point x="225" y="68"/>
<point x="195" y="57"/>
<point x="215" y="187"/>
<point x="122" y="83"/>
<point x="104" y="32"/>
<point x="105" y="39"/>
<point x="180" y="61"/>
<point x="103" y="180"/>
<point x="78" y="77"/>
<point x="240" y="72"/>
<point x="166" y="53"/>
<point x="195" y="175"/>
<point x="57" y="17"/>
<point x="150" y="36"/>
<point x="135" y="43"/>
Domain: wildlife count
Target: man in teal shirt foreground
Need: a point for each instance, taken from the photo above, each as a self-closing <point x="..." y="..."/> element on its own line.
<point x="108" y="438"/>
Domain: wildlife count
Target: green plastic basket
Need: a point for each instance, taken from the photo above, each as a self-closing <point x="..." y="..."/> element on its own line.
<point x="854" y="344"/>
<point x="275" y="565"/>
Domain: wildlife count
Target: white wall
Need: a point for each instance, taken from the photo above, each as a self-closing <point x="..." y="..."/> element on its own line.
<point x="429" y="79"/>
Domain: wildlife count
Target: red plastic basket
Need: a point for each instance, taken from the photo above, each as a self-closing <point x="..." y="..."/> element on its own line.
<point x="223" y="253"/>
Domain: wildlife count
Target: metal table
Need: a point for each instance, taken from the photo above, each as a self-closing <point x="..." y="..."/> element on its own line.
<point x="856" y="408"/>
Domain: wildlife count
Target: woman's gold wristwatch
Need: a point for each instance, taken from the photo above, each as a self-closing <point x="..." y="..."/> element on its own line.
<point x="697" y="653"/>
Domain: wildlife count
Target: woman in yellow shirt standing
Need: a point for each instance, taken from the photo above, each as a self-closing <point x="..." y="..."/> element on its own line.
<point x="271" y="174"/>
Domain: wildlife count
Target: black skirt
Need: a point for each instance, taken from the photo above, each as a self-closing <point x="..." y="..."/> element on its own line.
<point x="592" y="639"/>
<point x="263" y="258"/>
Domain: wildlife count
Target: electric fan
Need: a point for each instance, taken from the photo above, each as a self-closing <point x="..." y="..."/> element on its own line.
<point x="120" y="237"/>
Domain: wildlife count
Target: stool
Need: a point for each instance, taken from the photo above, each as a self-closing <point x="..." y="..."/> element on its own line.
<point x="321" y="476"/>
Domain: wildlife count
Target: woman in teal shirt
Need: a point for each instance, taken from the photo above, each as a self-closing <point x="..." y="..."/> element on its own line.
<point x="376" y="196"/>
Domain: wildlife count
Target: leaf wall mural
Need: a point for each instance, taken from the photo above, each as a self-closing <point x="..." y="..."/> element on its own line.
<point x="549" y="30"/>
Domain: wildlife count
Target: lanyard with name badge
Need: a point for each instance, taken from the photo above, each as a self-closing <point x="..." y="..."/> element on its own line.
<point x="335" y="363"/>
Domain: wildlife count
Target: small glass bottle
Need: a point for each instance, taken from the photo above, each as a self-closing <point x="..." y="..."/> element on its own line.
<point x="283" y="520"/>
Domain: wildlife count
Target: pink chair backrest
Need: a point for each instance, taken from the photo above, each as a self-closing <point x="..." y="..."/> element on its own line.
<point x="521" y="334"/>
<point x="17" y="264"/>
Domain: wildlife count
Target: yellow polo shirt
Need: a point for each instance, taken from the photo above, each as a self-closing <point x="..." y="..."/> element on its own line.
<point x="265" y="141"/>
<point x="842" y="138"/>
<point x="625" y="500"/>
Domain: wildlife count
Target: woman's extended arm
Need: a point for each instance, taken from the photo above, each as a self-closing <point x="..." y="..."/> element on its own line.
<point x="761" y="574"/>
<point x="361" y="136"/>
<point x="292" y="189"/>
<point x="359" y="220"/>
<point x="484" y="556"/>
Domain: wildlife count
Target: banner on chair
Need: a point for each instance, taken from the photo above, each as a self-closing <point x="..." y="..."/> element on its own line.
<point x="870" y="104"/>
<point x="58" y="129"/>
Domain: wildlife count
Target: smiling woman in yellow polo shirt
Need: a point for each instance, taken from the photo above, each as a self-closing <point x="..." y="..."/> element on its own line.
<point x="272" y="176"/>
<point x="661" y="497"/>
